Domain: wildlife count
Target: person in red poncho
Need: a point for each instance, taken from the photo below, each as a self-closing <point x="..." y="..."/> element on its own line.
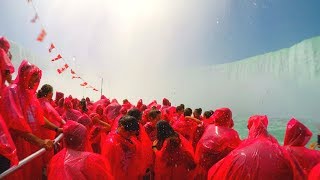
<point x="314" y="173"/>
<point x="174" y="154"/>
<point x="6" y="67"/>
<point x="121" y="152"/>
<point x="150" y="127"/>
<point x="44" y="96"/>
<point x="187" y="125"/>
<point x="207" y="118"/>
<point x="73" y="162"/>
<point x="218" y="141"/>
<point x="60" y="107"/>
<point x="70" y="113"/>
<point x="296" y="137"/>
<point x="258" y="157"/>
<point x="8" y="151"/>
<point x="24" y="117"/>
<point x="144" y="144"/>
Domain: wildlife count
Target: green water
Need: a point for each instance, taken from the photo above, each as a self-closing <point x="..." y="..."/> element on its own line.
<point x="276" y="127"/>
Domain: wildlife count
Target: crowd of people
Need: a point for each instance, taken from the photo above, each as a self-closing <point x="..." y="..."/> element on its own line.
<point x="111" y="140"/>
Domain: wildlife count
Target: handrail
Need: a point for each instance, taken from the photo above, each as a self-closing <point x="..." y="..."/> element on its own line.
<point x="28" y="159"/>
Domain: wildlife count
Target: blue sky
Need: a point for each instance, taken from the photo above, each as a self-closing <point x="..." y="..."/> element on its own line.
<point x="124" y="40"/>
<point x="200" y="32"/>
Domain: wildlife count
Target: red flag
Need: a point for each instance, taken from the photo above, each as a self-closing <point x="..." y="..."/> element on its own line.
<point x="42" y="35"/>
<point x="66" y="66"/>
<point x="72" y="72"/>
<point x="51" y="47"/>
<point x="59" y="71"/>
<point x="95" y="89"/>
<point x="57" y="58"/>
<point x="76" y="77"/>
<point x="84" y="84"/>
<point x="34" y="19"/>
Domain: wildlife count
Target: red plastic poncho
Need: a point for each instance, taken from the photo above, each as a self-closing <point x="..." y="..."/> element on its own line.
<point x="139" y="105"/>
<point x="72" y="162"/>
<point x="151" y="130"/>
<point x="216" y="143"/>
<point x="4" y="44"/>
<point x="315" y="173"/>
<point x="7" y="147"/>
<point x="51" y="114"/>
<point x="22" y="111"/>
<point x="112" y="113"/>
<point x="121" y="154"/>
<point x="154" y="104"/>
<point x="59" y="95"/>
<point x="86" y="122"/>
<point x="60" y="107"/>
<point x="144" y="150"/>
<point x="5" y="63"/>
<point x="256" y="158"/>
<point x="296" y="137"/>
<point x="186" y="127"/>
<point x="175" y="160"/>
<point x="70" y="114"/>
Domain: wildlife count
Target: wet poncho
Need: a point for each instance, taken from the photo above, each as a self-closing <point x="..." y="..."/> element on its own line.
<point x="296" y="137"/>
<point x="122" y="155"/>
<point x="22" y="111"/>
<point x="175" y="159"/>
<point x="72" y="162"/>
<point x="216" y="143"/>
<point x="258" y="157"/>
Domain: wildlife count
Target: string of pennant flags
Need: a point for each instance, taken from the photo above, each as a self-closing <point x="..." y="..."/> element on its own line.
<point x="42" y="36"/>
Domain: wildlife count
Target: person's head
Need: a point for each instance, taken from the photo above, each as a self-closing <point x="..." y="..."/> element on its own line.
<point x="83" y="105"/>
<point x="182" y="106"/>
<point x="154" y="115"/>
<point x="128" y="126"/>
<point x="29" y="76"/>
<point x="61" y="102"/>
<point x="59" y="95"/>
<point x="164" y="130"/>
<point x="207" y="114"/>
<point x="74" y="135"/>
<point x="179" y="110"/>
<point x="88" y="100"/>
<point x="125" y="101"/>
<point x="135" y="113"/>
<point x="85" y="120"/>
<point x="99" y="109"/>
<point x="68" y="104"/>
<point x="197" y="113"/>
<point x="112" y="111"/>
<point x="45" y="91"/>
<point x="187" y="112"/>
<point x="4" y="44"/>
<point x="223" y="117"/>
<point x="166" y="102"/>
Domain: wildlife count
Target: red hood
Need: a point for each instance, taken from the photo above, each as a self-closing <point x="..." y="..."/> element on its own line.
<point x="223" y="117"/>
<point x="297" y="134"/>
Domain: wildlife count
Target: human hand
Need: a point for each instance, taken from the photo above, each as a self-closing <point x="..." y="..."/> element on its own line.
<point x="47" y="144"/>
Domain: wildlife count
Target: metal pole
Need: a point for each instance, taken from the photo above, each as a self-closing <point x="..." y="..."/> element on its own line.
<point x="101" y="86"/>
<point x="28" y="159"/>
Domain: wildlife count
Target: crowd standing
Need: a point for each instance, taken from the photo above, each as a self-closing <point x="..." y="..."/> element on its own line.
<point x="108" y="139"/>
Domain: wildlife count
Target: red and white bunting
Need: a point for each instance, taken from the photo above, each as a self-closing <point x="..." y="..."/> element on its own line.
<point x="42" y="35"/>
<point x="51" y="47"/>
<point x="56" y="58"/>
